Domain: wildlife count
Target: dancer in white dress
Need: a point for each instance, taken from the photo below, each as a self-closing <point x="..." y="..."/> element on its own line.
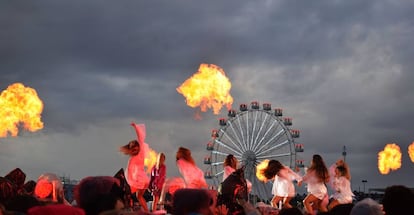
<point x="283" y="189"/>
<point x="316" y="176"/>
<point x="340" y="182"/>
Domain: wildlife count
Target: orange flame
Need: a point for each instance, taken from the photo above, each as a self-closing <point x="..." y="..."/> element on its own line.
<point x="19" y="104"/>
<point x="259" y="168"/>
<point x="389" y="159"/>
<point x="411" y="151"/>
<point x="150" y="159"/>
<point x="208" y="88"/>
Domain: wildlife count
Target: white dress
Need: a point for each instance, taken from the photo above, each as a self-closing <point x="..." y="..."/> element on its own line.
<point x="283" y="183"/>
<point x="314" y="185"/>
<point x="343" y="193"/>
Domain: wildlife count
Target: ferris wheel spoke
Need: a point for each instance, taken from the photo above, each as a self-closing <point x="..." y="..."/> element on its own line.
<point x="273" y="147"/>
<point x="241" y="132"/>
<point x="259" y="132"/>
<point x="237" y="151"/>
<point x="252" y="136"/>
<point x="235" y="142"/>
<point x="259" y="143"/>
<point x="219" y="153"/>
<point x="219" y="173"/>
<point x="217" y="163"/>
<point x="271" y="139"/>
<point x="237" y="136"/>
<point x="273" y="156"/>
<point x="247" y="131"/>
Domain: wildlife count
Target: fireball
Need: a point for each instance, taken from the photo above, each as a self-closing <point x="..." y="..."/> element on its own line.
<point x="411" y="151"/>
<point x="207" y="88"/>
<point x="259" y="168"/>
<point x="20" y="106"/>
<point x="389" y="159"/>
<point x="150" y="159"/>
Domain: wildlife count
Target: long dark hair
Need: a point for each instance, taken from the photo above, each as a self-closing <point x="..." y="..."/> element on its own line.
<point x="318" y="165"/>
<point x="273" y="167"/>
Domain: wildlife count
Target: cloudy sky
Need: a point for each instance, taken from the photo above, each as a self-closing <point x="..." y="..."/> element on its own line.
<point x="343" y="70"/>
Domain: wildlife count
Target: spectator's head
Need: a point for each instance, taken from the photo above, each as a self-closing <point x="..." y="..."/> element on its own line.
<point x="398" y="199"/>
<point x="22" y="203"/>
<point x="54" y="209"/>
<point x="367" y="206"/>
<point x="7" y="190"/>
<point x="189" y="201"/>
<point x="95" y="194"/>
<point x="49" y="189"/>
<point x="342" y="209"/>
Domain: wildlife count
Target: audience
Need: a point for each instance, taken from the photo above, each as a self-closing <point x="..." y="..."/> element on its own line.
<point x="96" y="194"/>
<point x="188" y="201"/>
<point x="397" y="200"/>
<point x="367" y="206"/>
<point x="49" y="189"/>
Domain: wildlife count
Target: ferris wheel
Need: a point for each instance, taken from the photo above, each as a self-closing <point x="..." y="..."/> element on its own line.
<point x="252" y="135"/>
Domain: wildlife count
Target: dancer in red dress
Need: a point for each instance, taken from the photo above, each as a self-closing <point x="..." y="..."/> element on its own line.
<point x="158" y="174"/>
<point x="135" y="173"/>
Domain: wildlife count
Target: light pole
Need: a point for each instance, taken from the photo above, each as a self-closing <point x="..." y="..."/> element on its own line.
<point x="364" y="182"/>
<point x="344" y="153"/>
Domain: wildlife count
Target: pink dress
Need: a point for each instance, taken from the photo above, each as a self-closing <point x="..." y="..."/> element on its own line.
<point x="135" y="173"/>
<point x="193" y="176"/>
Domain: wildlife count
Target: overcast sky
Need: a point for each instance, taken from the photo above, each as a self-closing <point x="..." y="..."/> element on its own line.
<point x="343" y="70"/>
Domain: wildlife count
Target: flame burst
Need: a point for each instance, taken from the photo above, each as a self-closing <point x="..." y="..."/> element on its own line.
<point x="259" y="168"/>
<point x="411" y="151"/>
<point x="389" y="159"/>
<point x="208" y="88"/>
<point x="150" y="159"/>
<point x="19" y="105"/>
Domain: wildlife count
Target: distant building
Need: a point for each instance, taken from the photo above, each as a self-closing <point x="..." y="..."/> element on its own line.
<point x="68" y="186"/>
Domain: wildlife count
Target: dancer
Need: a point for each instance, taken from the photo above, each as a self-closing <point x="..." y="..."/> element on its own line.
<point x="340" y="182"/>
<point x="283" y="189"/>
<point x="158" y="173"/>
<point x="316" y="176"/>
<point x="135" y="173"/>
<point x="229" y="165"/>
<point x="193" y="176"/>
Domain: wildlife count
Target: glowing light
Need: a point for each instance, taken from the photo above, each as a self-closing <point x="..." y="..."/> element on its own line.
<point x="259" y="168"/>
<point x="208" y="88"/>
<point x="389" y="159"/>
<point x="150" y="159"/>
<point x="43" y="189"/>
<point x="20" y="105"/>
<point x="411" y="151"/>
